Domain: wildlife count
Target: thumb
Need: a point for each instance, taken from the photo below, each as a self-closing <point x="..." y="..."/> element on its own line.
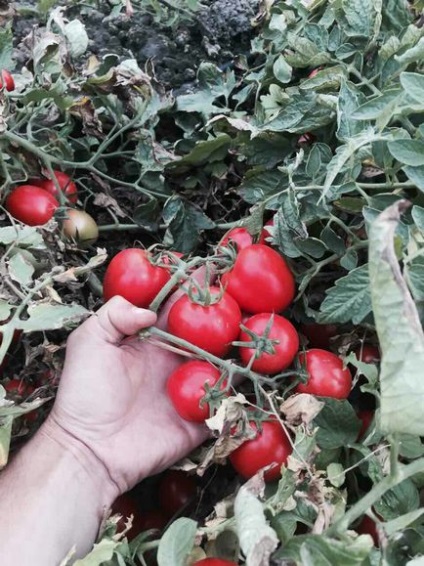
<point x="116" y="319"/>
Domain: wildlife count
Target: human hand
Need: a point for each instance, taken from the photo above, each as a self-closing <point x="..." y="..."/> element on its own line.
<point x="112" y="395"/>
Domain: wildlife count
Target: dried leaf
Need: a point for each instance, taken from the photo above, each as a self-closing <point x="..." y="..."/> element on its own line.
<point x="302" y="408"/>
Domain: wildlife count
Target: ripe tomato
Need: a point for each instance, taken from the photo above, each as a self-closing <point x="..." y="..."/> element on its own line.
<point x="131" y="275"/>
<point x="153" y="519"/>
<point x="176" y="491"/>
<point x="319" y="335"/>
<point x="31" y="205"/>
<point x="366" y="418"/>
<point x="260" y="280"/>
<point x="326" y="375"/>
<point x="212" y="327"/>
<point x="269" y="446"/>
<point x="241" y="237"/>
<point x="368" y="527"/>
<point x="214" y="562"/>
<point x="368" y="354"/>
<point x="314" y="72"/>
<point x="67" y="186"/>
<point x="285" y="349"/>
<point x="127" y="505"/>
<point x="80" y="227"/>
<point x="186" y="389"/>
<point x="265" y="234"/>
<point x="6" y="80"/>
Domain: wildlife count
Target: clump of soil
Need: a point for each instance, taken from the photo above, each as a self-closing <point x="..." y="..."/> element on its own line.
<point x="218" y="32"/>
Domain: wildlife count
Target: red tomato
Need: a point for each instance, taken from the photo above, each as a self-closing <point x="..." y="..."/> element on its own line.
<point x="212" y="327"/>
<point x="260" y="280"/>
<point x="153" y="519"/>
<point x="327" y="376"/>
<point x="319" y="335"/>
<point x="368" y="527"/>
<point x="186" y="389"/>
<point x="366" y="418"/>
<point x="6" y="80"/>
<point x="268" y="447"/>
<point x="306" y="139"/>
<point x="241" y="237"/>
<point x="67" y="186"/>
<point x="131" y="275"/>
<point x="176" y="491"/>
<point x="31" y="205"/>
<point x="285" y="349"/>
<point x="314" y="72"/>
<point x="368" y="354"/>
<point x="126" y="505"/>
<point x="265" y="232"/>
<point x="214" y="562"/>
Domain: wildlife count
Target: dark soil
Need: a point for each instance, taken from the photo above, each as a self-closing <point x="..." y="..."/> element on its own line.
<point x="217" y="33"/>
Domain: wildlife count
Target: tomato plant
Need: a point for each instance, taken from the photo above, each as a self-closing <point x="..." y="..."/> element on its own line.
<point x="280" y="343"/>
<point x="260" y="280"/>
<point x="31" y="205"/>
<point x="327" y="376"/>
<point x="6" y="80"/>
<point x="80" y="227"/>
<point x="270" y="447"/>
<point x="212" y="326"/>
<point x="186" y="388"/>
<point x="132" y="275"/>
<point x="65" y="183"/>
<point x="176" y="491"/>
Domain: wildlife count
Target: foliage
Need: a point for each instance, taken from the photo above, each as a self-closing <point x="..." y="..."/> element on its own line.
<point x="178" y="171"/>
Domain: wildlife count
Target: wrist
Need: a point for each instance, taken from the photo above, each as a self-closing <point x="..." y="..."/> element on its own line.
<point x="81" y="460"/>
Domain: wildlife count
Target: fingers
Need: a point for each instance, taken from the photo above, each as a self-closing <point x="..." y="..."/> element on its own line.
<point x="200" y="276"/>
<point x="115" y="320"/>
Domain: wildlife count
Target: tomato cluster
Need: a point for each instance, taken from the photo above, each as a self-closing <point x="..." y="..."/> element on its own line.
<point x="238" y="317"/>
<point x="35" y="204"/>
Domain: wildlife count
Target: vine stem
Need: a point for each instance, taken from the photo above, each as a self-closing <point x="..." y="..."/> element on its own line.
<point x="403" y="472"/>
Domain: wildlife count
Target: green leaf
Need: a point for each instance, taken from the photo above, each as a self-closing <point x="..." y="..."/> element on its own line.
<point x="20" y="270"/>
<point x="5" y="437"/>
<point x="412" y="55"/>
<point x="22" y="236"/>
<point x="349" y="299"/>
<point x="416" y="175"/>
<point x="6" y="47"/>
<point x="399" y="330"/>
<point x="315" y="550"/>
<point x="185" y="224"/>
<point x="282" y="70"/>
<point x="409" y="152"/>
<point x="77" y="38"/>
<point x="358" y="18"/>
<point x="375" y="107"/>
<point x="413" y="85"/>
<point x="338" y="424"/>
<point x="51" y="317"/>
<point x="336" y="475"/>
<point x="102" y="551"/>
<point x="257" y="539"/>
<point x="203" y="152"/>
<point x="350" y="99"/>
<point x="177" y="542"/>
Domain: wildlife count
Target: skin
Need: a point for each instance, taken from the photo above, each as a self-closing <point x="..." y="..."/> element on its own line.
<point x="97" y="441"/>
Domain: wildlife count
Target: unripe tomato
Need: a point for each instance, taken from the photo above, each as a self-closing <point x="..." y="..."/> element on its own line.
<point x="211" y="327"/>
<point x="285" y="348"/>
<point x="326" y="375"/>
<point x="319" y="335"/>
<point x="67" y="186"/>
<point x="260" y="280"/>
<point x="265" y="234"/>
<point x="80" y="227"/>
<point x="131" y="275"/>
<point x="270" y="446"/>
<point x="186" y="388"/>
<point x="368" y="527"/>
<point x="6" y="80"/>
<point x="31" y="205"/>
<point x="214" y="562"/>
<point x="368" y="354"/>
<point x="176" y="490"/>
<point x="240" y="237"/>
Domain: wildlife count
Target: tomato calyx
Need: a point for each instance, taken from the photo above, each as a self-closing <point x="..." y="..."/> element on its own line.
<point x="205" y="295"/>
<point x="262" y="343"/>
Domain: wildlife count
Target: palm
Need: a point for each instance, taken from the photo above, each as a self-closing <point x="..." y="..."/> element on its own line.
<point x="112" y="397"/>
